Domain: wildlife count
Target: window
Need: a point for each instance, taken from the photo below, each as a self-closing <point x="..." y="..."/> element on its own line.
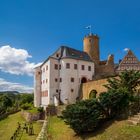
<point x="75" y="66"/>
<point x="83" y="67"/>
<point x="55" y="79"/>
<point x="60" y="79"/>
<point x="68" y="65"/>
<point x="57" y="55"/>
<point x="89" y="68"/>
<point x="57" y="90"/>
<point x="46" y="68"/>
<point x="43" y="69"/>
<point x="72" y="79"/>
<point x="72" y="90"/>
<point x="56" y="66"/>
<point x="60" y="67"/>
<point x="46" y="80"/>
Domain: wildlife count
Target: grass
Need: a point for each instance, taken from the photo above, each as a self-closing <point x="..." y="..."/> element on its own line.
<point x="112" y="130"/>
<point x="9" y="125"/>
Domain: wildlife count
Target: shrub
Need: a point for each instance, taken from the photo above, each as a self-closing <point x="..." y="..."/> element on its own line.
<point x="26" y="106"/>
<point x="83" y="116"/>
<point x="40" y="109"/>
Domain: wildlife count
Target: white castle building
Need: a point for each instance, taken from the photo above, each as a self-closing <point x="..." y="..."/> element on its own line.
<point x="59" y="78"/>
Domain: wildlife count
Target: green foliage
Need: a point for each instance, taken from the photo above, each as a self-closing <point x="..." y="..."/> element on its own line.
<point x="26" y="98"/>
<point x="26" y="106"/>
<point x="127" y="79"/>
<point x="83" y="116"/>
<point x="114" y="102"/>
<point x="40" y="109"/>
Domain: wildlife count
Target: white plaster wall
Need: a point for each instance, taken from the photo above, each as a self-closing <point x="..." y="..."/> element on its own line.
<point x="54" y="73"/>
<point x="66" y="85"/>
<point x="45" y="86"/>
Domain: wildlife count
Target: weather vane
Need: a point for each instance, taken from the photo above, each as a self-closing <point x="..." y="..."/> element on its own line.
<point x="89" y="27"/>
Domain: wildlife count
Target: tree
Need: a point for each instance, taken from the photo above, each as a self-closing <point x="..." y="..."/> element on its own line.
<point x="127" y="79"/>
<point x="5" y="101"/>
<point x="83" y="116"/>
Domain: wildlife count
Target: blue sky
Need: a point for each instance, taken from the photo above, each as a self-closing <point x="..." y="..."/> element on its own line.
<point x="38" y="27"/>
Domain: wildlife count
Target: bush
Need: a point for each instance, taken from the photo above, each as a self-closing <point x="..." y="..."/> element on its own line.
<point x="40" y="109"/>
<point x="83" y="116"/>
<point x="26" y="106"/>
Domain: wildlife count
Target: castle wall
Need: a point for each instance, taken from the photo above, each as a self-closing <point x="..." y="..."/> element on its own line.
<point x="102" y="71"/>
<point x="93" y="85"/>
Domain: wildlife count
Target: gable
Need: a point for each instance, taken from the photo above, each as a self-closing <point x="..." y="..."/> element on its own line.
<point x="129" y="62"/>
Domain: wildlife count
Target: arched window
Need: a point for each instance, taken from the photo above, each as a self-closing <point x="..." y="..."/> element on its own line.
<point x="92" y="94"/>
<point x="84" y="80"/>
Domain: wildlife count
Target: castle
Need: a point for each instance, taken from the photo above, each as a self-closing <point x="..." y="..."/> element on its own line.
<point x="59" y="78"/>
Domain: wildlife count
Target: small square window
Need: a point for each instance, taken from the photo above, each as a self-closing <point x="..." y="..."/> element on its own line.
<point x="89" y="68"/>
<point x="72" y="79"/>
<point x="60" y="66"/>
<point x="68" y="65"/>
<point x="72" y="90"/>
<point x="55" y="79"/>
<point x="75" y="66"/>
<point x="83" y="67"/>
<point x="60" y="79"/>
<point x="56" y="66"/>
<point x="57" y="55"/>
<point x="46" y="68"/>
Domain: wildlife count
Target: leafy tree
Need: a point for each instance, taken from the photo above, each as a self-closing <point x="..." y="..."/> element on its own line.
<point x="83" y="116"/>
<point x="5" y="101"/>
<point x="114" y="102"/>
<point x="26" y="98"/>
<point x="127" y="79"/>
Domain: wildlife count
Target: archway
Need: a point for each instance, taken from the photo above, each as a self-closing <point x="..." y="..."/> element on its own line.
<point x="92" y="94"/>
<point x="84" y="80"/>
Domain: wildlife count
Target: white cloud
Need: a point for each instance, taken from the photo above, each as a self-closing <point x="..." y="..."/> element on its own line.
<point x="126" y="49"/>
<point x="14" y="61"/>
<point x="9" y="86"/>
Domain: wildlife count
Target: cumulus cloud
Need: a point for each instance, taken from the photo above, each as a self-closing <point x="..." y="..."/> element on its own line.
<point x="15" y="61"/>
<point x="9" y="86"/>
<point x="126" y="49"/>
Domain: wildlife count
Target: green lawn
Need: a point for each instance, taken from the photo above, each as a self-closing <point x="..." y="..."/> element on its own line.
<point x="113" y="130"/>
<point x="9" y="125"/>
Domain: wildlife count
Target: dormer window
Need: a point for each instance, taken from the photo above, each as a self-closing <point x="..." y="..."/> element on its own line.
<point x="57" y="55"/>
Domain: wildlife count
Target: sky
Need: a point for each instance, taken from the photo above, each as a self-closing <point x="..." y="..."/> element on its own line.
<point x="31" y="30"/>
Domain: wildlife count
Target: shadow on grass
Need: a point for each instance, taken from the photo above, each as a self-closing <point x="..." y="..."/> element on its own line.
<point x="99" y="130"/>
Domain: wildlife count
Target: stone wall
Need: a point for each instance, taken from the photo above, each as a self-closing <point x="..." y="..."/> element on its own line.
<point x="29" y="117"/>
<point x="93" y="85"/>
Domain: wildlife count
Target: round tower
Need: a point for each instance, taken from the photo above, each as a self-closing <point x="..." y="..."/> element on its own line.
<point x="91" y="47"/>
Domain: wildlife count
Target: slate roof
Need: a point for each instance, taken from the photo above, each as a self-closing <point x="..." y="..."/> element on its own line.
<point x="67" y="52"/>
